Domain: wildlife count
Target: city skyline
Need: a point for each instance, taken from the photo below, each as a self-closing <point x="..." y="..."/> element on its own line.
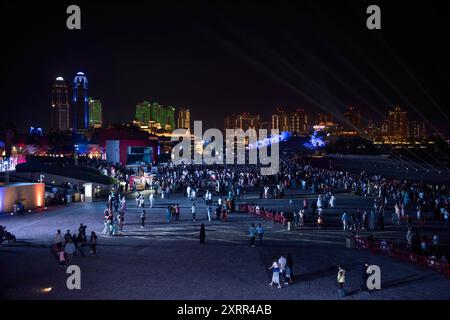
<point x="229" y="74"/>
<point x="193" y="151"/>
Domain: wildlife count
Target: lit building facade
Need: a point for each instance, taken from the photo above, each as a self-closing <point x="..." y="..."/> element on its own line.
<point x="280" y="120"/>
<point x="95" y="113"/>
<point x="80" y="103"/>
<point x="60" y="114"/>
<point x="417" y="130"/>
<point x="243" y="121"/>
<point x="153" y="116"/>
<point x="397" y="124"/>
<point x="299" y="121"/>
<point x="184" y="119"/>
<point x="143" y="114"/>
<point x="162" y="117"/>
<point x="353" y="116"/>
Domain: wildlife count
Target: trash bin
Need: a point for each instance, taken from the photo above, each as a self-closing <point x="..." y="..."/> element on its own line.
<point x="82" y="197"/>
<point x="69" y="198"/>
<point x="350" y="243"/>
<point x="289" y="225"/>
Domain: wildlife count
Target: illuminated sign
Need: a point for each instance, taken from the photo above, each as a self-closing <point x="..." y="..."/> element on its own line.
<point x="315" y="142"/>
<point x="271" y="140"/>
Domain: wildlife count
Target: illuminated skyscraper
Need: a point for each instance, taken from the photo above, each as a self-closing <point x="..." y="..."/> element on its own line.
<point x="243" y="121"/>
<point x="398" y="124"/>
<point x="161" y="117"/>
<point x="95" y="113"/>
<point x="280" y="120"/>
<point x="154" y="116"/>
<point x="353" y="116"/>
<point x="299" y="121"/>
<point x="60" y="106"/>
<point x="143" y="114"/>
<point x="184" y="119"/>
<point x="80" y="101"/>
<point x="417" y="130"/>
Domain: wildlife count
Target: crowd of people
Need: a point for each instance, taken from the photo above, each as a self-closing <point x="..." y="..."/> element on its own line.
<point x="5" y="235"/>
<point x="68" y="245"/>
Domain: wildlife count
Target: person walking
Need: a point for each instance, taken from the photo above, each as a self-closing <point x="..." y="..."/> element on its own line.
<point x="61" y="257"/>
<point x="58" y="240"/>
<point x="75" y="242"/>
<point x="193" y="212"/>
<point x="364" y="277"/>
<point x="341" y="281"/>
<point x="275" y="273"/>
<point x="282" y="263"/>
<point x="345" y="219"/>
<point x="121" y="219"/>
<point x="252" y="234"/>
<point x="81" y="240"/>
<point x="168" y="214"/>
<point x="289" y="268"/>
<point x="123" y="204"/>
<point x="332" y="201"/>
<point x="202" y="234"/>
<point x="67" y="236"/>
<point x="260" y="233"/>
<point x="209" y="213"/>
<point x="177" y="212"/>
<point x="143" y="219"/>
<point x="93" y="242"/>
<point x="69" y="250"/>
<point x="435" y="239"/>
<point x="151" y="198"/>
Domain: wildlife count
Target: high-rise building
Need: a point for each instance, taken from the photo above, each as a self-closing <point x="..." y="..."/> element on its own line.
<point x="299" y="121"/>
<point x="247" y="121"/>
<point x="95" y="113"/>
<point x="280" y="120"/>
<point x="154" y="116"/>
<point x="398" y="124"/>
<point x="60" y="113"/>
<point x="230" y="122"/>
<point x="184" y="119"/>
<point x="162" y="117"/>
<point x="417" y="130"/>
<point x="243" y="121"/>
<point x="384" y="130"/>
<point x="80" y="101"/>
<point x="143" y="114"/>
<point x="353" y="116"/>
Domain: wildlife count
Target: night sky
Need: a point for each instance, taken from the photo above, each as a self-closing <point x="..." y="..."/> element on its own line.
<point x="222" y="57"/>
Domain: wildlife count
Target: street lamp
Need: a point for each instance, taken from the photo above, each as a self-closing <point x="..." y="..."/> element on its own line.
<point x="75" y="154"/>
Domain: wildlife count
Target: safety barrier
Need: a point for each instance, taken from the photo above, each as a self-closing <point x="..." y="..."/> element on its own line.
<point x="403" y="254"/>
<point x="265" y="214"/>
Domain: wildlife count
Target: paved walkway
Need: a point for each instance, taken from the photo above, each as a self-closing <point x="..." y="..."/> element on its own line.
<point x="166" y="261"/>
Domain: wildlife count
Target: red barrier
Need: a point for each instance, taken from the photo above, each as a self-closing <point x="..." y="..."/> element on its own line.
<point x="403" y="255"/>
<point x="243" y="208"/>
<point x="422" y="261"/>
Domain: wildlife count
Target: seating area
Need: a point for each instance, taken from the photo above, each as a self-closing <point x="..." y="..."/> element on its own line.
<point x="404" y="254"/>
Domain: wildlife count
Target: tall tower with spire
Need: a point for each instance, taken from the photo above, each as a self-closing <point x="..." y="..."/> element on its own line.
<point x="80" y="103"/>
<point x="60" y="106"/>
